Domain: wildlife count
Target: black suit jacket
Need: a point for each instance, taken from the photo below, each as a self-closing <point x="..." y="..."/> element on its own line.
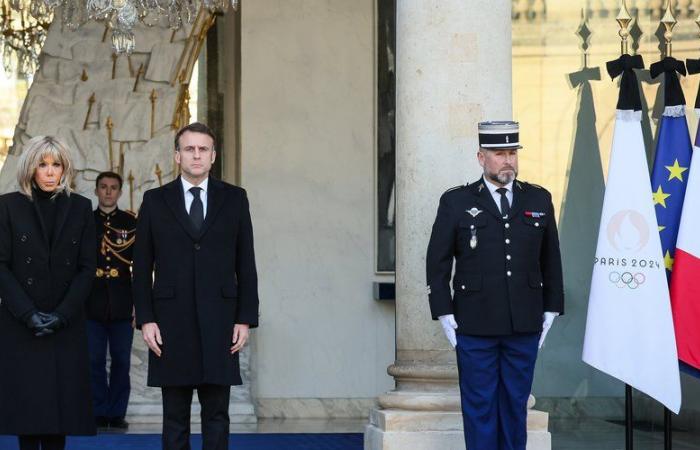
<point x="514" y="274"/>
<point x="205" y="282"/>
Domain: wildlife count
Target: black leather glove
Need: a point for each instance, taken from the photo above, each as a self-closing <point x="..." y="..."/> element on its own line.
<point x="52" y="321"/>
<point x="37" y="323"/>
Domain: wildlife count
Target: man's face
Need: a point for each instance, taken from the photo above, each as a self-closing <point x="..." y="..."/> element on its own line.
<point x="196" y="154"/>
<point x="108" y="192"/>
<point x="500" y="166"/>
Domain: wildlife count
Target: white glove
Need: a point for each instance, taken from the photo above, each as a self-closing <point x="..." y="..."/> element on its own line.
<point x="449" y="325"/>
<point x="547" y="320"/>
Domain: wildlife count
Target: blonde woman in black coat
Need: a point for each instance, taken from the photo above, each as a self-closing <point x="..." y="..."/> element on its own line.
<point x="47" y="264"/>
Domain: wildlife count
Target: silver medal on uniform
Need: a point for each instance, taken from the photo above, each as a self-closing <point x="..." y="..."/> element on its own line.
<point x="473" y="241"/>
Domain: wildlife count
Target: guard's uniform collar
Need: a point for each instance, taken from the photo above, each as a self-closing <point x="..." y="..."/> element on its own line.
<point x="104" y="214"/>
<point x="492" y="187"/>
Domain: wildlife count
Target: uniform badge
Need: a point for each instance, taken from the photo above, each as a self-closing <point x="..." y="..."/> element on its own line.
<point x="535" y="214"/>
<point x="474" y="211"/>
<point x="473" y="242"/>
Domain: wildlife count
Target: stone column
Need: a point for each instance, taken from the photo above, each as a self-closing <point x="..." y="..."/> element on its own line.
<point x="453" y="61"/>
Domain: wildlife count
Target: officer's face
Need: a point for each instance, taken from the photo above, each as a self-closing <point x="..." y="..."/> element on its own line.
<point x="108" y="192"/>
<point x="500" y="166"/>
<point x="196" y="155"/>
<point x="48" y="175"/>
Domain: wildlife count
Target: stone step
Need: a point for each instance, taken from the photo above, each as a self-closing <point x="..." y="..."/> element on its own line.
<point x="152" y="413"/>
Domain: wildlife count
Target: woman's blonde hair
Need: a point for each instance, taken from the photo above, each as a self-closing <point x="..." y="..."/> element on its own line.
<point x="34" y="153"/>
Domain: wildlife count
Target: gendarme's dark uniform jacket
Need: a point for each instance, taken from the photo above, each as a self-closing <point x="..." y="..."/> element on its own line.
<point x="511" y="276"/>
<point x="111" y="297"/>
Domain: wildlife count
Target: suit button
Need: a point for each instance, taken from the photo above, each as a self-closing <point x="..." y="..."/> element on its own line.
<point x="68" y="262"/>
<point x="507" y="225"/>
<point x="463" y="287"/>
<point x="29" y="260"/>
<point x="509" y="273"/>
<point x="75" y="241"/>
<point x="197" y="246"/>
<point x="508" y="257"/>
<point x="30" y="281"/>
<point x="541" y="284"/>
<point x="507" y="241"/>
<point x="23" y="238"/>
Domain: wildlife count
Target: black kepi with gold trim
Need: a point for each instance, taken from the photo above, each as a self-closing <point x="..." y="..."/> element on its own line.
<point x="499" y="134"/>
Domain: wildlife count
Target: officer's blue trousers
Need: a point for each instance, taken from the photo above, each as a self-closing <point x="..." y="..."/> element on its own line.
<point x="495" y="379"/>
<point x="110" y="399"/>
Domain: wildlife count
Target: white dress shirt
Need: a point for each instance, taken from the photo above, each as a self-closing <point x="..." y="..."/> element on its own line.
<point x="186" y="185"/>
<point x="497" y="195"/>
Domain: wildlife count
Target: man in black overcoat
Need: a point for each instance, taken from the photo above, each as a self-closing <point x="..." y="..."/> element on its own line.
<point x="500" y="235"/>
<point x="195" y="289"/>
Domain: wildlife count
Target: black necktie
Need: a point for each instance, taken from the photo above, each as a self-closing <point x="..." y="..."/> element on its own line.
<point x="505" y="206"/>
<point x="196" y="209"/>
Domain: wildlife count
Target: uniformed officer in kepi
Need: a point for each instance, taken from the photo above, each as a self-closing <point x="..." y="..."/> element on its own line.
<point x="501" y="235"/>
<point x="110" y="308"/>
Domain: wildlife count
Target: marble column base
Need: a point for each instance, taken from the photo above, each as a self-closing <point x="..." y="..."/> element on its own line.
<point x="393" y="429"/>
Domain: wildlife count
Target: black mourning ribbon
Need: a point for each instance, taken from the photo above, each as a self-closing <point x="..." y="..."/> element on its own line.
<point x="693" y="66"/>
<point x="671" y="67"/>
<point x="196" y="209"/>
<point x="505" y="206"/>
<point x="629" y="88"/>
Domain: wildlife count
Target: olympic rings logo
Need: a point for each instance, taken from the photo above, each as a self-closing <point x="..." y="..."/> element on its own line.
<point x="632" y="281"/>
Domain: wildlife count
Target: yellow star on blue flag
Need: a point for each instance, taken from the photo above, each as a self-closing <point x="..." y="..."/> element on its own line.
<point x="668" y="180"/>
<point x="676" y="171"/>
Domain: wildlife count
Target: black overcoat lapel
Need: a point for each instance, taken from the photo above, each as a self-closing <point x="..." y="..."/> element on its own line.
<point x="215" y="199"/>
<point x="175" y="199"/>
<point x="42" y="225"/>
<point x="63" y="203"/>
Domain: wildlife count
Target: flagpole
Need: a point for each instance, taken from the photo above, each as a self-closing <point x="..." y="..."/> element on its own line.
<point x="629" y="425"/>
<point x="623" y="20"/>
<point x="668" y="21"/>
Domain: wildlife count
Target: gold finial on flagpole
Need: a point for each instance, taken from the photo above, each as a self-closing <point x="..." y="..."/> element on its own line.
<point x="668" y="21"/>
<point x="623" y="19"/>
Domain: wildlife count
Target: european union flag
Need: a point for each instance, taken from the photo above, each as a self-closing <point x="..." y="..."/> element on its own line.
<point x="672" y="160"/>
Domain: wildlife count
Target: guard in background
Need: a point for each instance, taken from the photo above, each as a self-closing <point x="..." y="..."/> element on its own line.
<point x="507" y="286"/>
<point x="110" y="309"/>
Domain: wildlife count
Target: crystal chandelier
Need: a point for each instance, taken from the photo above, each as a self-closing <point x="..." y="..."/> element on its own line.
<point x="23" y="26"/>
<point x="25" y="23"/>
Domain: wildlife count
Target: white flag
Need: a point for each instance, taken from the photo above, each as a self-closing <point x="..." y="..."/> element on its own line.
<point x="629" y="328"/>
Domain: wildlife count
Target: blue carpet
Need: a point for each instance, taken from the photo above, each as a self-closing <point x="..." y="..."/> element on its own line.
<point x="296" y="441"/>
